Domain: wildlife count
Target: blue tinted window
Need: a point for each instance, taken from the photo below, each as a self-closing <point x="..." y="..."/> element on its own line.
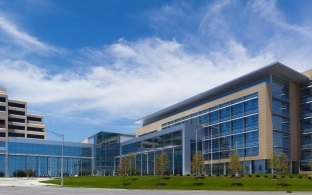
<point x="252" y="138"/>
<point x="225" y="128"/>
<point x="225" y="114"/>
<point x="237" y="110"/>
<point x="252" y="151"/>
<point x="238" y="141"/>
<point x="238" y="125"/>
<point x="251" y="106"/>
<point x="214" y="117"/>
<point x="251" y="122"/>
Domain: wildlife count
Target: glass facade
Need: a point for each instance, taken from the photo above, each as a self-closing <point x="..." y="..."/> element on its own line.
<point x="305" y="126"/>
<point x="146" y="151"/>
<point x="107" y="147"/>
<point x="280" y="116"/>
<point x="237" y="131"/>
<point x="43" y="158"/>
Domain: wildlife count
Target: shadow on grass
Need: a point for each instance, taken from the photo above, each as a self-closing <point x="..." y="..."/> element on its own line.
<point x="237" y="184"/>
<point x="198" y="184"/>
<point x="283" y="184"/>
<point x="134" y="179"/>
<point x="126" y="184"/>
<point x="161" y="184"/>
<point x="166" y="178"/>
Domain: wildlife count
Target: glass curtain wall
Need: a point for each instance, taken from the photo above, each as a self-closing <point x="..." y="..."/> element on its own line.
<point x="231" y="126"/>
<point x="146" y="151"/>
<point x="43" y="160"/>
<point x="280" y="116"/>
<point x="306" y="126"/>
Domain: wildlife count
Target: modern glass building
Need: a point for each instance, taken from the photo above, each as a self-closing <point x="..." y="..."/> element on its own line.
<point x="42" y="158"/>
<point x="106" y="147"/>
<point x="264" y="111"/>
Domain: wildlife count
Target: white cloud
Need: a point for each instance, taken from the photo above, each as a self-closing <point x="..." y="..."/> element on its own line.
<point x="268" y="11"/>
<point x="130" y="79"/>
<point x="144" y="76"/>
<point x="26" y="41"/>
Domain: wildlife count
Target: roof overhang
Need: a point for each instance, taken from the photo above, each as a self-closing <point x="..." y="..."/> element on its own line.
<point x="277" y="69"/>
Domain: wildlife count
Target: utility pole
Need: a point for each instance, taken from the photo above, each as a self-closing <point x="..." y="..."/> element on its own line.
<point x="60" y="135"/>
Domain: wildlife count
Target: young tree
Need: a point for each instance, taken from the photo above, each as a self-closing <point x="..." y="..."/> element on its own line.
<point x="161" y="165"/>
<point x="273" y="162"/>
<point x="132" y="168"/>
<point x="282" y="164"/>
<point x="124" y="168"/>
<point x="197" y="163"/>
<point x="235" y="164"/>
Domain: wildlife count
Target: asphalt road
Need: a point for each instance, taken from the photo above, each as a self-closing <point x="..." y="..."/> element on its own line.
<point x="42" y="190"/>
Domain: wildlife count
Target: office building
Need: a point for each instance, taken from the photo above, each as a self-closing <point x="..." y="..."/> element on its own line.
<point x="15" y="121"/>
<point x="267" y="110"/>
<point x="42" y="158"/>
<point x="106" y="147"/>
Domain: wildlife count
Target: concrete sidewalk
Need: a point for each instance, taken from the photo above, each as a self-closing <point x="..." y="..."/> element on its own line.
<point x="22" y="182"/>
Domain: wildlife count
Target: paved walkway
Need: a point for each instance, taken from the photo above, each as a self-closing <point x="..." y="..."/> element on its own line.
<point x="31" y="186"/>
<point x="22" y="182"/>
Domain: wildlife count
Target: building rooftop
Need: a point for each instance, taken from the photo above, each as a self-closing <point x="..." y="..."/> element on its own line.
<point x="277" y="69"/>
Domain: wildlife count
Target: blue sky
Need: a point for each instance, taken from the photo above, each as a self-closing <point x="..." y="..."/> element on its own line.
<point x="91" y="66"/>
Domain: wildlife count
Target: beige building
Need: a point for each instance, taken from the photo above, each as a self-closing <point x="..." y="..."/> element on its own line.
<point x="16" y="122"/>
<point x="267" y="110"/>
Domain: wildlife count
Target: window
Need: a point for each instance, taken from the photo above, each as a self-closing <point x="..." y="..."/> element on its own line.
<point x="215" y="131"/>
<point x="35" y="119"/>
<point x="214" y="117"/>
<point x="225" y="114"/>
<point x="237" y="110"/>
<point x="252" y="138"/>
<point x="238" y="141"/>
<point x="252" y="151"/>
<point x="251" y="122"/>
<point x="16" y="127"/>
<point x="16" y="105"/>
<point x="225" y="143"/>
<point x="238" y="125"/>
<point x="225" y="128"/>
<point x="251" y="106"/>
<point x="16" y="112"/>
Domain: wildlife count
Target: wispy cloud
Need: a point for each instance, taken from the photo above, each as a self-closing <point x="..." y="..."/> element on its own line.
<point x="141" y="77"/>
<point x="10" y="30"/>
<point x="132" y="78"/>
<point x="269" y="12"/>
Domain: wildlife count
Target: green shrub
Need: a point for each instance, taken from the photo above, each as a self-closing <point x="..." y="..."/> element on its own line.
<point x="249" y="175"/>
<point x="257" y="175"/>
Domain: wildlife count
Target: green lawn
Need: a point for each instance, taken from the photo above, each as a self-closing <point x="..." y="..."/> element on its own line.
<point x="189" y="183"/>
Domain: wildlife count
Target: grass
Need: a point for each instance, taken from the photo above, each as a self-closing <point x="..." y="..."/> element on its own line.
<point x="189" y="183"/>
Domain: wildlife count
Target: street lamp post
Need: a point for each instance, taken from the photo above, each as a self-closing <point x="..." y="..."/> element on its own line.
<point x="196" y="141"/>
<point x="60" y="135"/>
